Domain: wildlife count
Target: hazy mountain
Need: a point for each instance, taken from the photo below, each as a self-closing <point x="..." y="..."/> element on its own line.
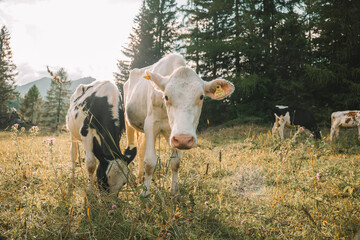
<point x="43" y="84"/>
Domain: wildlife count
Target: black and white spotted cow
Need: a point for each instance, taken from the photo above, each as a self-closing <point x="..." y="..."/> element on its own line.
<point x="344" y="119"/>
<point x="96" y="118"/>
<point x="290" y="116"/>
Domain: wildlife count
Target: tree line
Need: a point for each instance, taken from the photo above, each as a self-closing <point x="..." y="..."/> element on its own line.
<point x="290" y="52"/>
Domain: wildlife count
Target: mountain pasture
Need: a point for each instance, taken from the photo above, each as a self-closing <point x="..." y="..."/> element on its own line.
<point x="239" y="183"/>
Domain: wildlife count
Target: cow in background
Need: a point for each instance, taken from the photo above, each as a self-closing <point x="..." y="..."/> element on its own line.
<point x="166" y="98"/>
<point x="96" y="118"/>
<point x="344" y="119"/>
<point x="290" y="116"/>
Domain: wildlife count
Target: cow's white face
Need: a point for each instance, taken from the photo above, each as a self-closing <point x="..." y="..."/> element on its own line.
<point x="183" y="94"/>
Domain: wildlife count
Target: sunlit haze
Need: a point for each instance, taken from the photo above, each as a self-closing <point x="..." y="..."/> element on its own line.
<point x="83" y="36"/>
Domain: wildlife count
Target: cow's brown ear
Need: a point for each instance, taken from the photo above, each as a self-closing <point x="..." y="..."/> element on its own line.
<point x="159" y="81"/>
<point x="218" y="89"/>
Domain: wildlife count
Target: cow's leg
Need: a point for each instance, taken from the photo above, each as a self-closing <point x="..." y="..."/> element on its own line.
<point x="150" y="155"/>
<point x="276" y="126"/>
<point x="141" y="153"/>
<point x="73" y="152"/>
<point x="281" y="129"/>
<point x="90" y="163"/>
<point x="90" y="160"/>
<point x="332" y="132"/>
<point x="131" y="135"/>
<point x="174" y="164"/>
<point x="337" y="130"/>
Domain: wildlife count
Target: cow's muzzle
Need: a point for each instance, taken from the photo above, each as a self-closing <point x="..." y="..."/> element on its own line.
<point x="183" y="141"/>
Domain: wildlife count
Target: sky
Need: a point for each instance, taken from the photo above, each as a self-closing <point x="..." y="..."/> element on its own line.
<point x="85" y="37"/>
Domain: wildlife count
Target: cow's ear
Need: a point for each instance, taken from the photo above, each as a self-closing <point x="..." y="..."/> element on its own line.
<point x="218" y="89"/>
<point x="78" y="92"/>
<point x="158" y="80"/>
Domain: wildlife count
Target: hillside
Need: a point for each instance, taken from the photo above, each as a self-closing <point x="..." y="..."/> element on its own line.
<point x="43" y="85"/>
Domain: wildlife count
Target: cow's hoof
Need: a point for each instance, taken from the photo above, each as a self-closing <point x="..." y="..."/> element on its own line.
<point x="130" y="154"/>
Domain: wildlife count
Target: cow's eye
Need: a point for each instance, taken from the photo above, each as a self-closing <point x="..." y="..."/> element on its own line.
<point x="166" y="98"/>
<point x="201" y="97"/>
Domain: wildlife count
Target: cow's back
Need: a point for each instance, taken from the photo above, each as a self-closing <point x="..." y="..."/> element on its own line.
<point x="140" y="95"/>
<point x="96" y="106"/>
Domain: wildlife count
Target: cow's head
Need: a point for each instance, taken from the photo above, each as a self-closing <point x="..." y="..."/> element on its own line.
<point x="183" y="94"/>
<point x="112" y="174"/>
<point x="117" y="175"/>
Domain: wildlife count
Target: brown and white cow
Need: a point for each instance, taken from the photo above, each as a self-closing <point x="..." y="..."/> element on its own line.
<point x="166" y="98"/>
<point x="96" y="118"/>
<point x="344" y="119"/>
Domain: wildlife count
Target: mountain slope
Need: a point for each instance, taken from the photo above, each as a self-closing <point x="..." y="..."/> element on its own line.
<point x="43" y="85"/>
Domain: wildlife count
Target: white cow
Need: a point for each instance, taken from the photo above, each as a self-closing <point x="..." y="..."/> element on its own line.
<point x="96" y="118"/>
<point x="344" y="119"/>
<point x="166" y="98"/>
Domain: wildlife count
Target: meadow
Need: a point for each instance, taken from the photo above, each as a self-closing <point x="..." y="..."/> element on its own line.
<point x="239" y="183"/>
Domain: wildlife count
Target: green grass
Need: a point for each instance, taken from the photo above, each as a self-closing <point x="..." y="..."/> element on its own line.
<point x="261" y="189"/>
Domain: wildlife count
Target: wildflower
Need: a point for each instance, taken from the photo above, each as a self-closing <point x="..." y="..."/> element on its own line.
<point x="113" y="206"/>
<point x="302" y="128"/>
<point x="51" y="141"/>
<point x="34" y="129"/>
<point x="206" y="203"/>
<point x="311" y="135"/>
<point x="169" y="234"/>
<point x="16" y="125"/>
<point x="318" y="175"/>
<point x="280" y="153"/>
<point x="111" y="212"/>
<point x="284" y="159"/>
<point x="312" y="146"/>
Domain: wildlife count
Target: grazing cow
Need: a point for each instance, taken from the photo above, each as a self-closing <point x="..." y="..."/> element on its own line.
<point x="344" y="119"/>
<point x="96" y="118"/>
<point x="166" y="98"/>
<point x="289" y="116"/>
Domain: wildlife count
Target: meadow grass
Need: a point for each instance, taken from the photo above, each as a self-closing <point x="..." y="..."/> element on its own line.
<point x="239" y="183"/>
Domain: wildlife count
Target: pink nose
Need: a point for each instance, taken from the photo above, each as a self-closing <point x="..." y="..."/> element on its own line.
<point x="183" y="141"/>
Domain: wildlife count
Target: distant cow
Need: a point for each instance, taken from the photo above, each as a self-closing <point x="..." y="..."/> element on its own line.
<point x="290" y="116"/>
<point x="166" y="98"/>
<point x="96" y="118"/>
<point x="344" y="119"/>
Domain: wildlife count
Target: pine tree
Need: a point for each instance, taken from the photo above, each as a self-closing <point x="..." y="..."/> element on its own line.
<point x="163" y="24"/>
<point x="7" y="72"/>
<point x="57" y="99"/>
<point x="207" y="36"/>
<point x="32" y="105"/>
<point x="154" y="35"/>
<point x="122" y="77"/>
<point x="336" y="67"/>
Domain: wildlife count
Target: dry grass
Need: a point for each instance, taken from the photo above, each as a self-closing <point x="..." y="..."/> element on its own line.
<point x="261" y="188"/>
